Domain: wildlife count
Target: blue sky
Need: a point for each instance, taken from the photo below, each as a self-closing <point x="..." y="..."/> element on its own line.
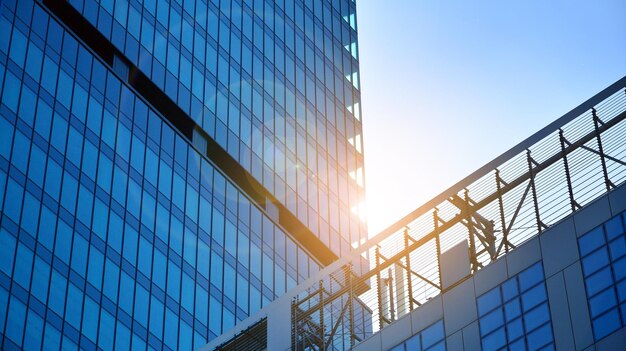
<point x="449" y="85"/>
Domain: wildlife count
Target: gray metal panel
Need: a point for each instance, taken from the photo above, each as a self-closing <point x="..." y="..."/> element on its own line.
<point x="491" y="276"/>
<point x="592" y="215"/>
<point x="396" y="332"/>
<point x="471" y="337"/>
<point x="559" y="312"/>
<point x="559" y="247"/>
<point x="279" y="326"/>
<point x="455" y="341"/>
<point x="455" y="264"/>
<point x="617" y="199"/>
<point x="459" y="307"/>
<point x="522" y="257"/>
<point x="615" y="341"/>
<point x="371" y="344"/>
<point x="577" y="301"/>
<point x="427" y="314"/>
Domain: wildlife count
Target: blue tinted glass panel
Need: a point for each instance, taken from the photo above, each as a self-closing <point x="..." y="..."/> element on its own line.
<point x="533" y="297"/>
<point x="599" y="281"/>
<point x="540" y="337"/>
<point x="489" y="301"/>
<point x="432" y="335"/>
<point x="431" y="338"/>
<point x="106" y="196"/>
<point x="602" y="302"/>
<point x="595" y="261"/>
<point x="603" y="252"/>
<point x="591" y="241"/>
<point x="606" y="324"/>
<point x="7" y="248"/>
<point x="515" y="329"/>
<point x="614" y="227"/>
<point x="537" y="317"/>
<point x="413" y="343"/>
<point x="491" y="321"/>
<point x="495" y="340"/>
<point x="617" y="248"/>
<point x="522" y="310"/>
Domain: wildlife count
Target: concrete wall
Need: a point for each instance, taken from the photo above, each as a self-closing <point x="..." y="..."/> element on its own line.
<point x="557" y="247"/>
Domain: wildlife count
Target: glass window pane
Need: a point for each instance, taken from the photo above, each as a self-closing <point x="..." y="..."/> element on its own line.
<point x="602" y="302"/>
<point x="413" y="343"/>
<point x="595" y="261"/>
<point x="6" y="138"/>
<point x="432" y="334"/>
<point x="34" y="331"/>
<point x="515" y="329"/>
<point x="619" y="268"/>
<point x="606" y="324"/>
<point x="17" y="316"/>
<point x="173" y="280"/>
<point x="599" y="281"/>
<point x="7" y="252"/>
<point x="494" y="341"/>
<point x="533" y="297"/>
<point x="591" y="241"/>
<point x="156" y="316"/>
<point x="530" y="276"/>
<point x="536" y="317"/>
<point x="79" y="254"/>
<point x="540" y="337"/>
<point x="512" y="309"/>
<point x="74" y="308"/>
<point x="107" y="329"/>
<point x="614" y="227"/>
<point x="491" y="321"/>
<point x="96" y="266"/>
<point x="617" y="248"/>
<point x="489" y="301"/>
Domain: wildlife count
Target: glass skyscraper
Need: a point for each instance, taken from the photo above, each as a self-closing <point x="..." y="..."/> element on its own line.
<point x="168" y="169"/>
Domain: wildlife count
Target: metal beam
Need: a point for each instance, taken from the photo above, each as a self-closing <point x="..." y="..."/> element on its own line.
<point x="379" y="267"/>
<point x="490" y="166"/>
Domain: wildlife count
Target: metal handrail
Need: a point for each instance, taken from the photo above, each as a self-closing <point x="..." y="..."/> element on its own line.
<point x="482" y="171"/>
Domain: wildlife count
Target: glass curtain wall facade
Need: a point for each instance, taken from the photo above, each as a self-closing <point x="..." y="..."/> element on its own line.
<point x="431" y="338"/>
<point x="116" y="231"/>
<point x="274" y="82"/>
<point x="603" y="252"/>
<point x="516" y="314"/>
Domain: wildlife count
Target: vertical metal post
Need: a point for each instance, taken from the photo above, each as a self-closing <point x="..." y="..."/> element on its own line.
<point x="399" y="271"/>
<point x="470" y="229"/>
<point x="607" y="181"/>
<point x="437" y="243"/>
<point x="505" y="233"/>
<point x="408" y="268"/>
<point x="570" y="189"/>
<point x="294" y="323"/>
<point x="392" y="307"/>
<point x="378" y="288"/>
<point x="322" y="327"/>
<point x="534" y="190"/>
<point x="351" y="302"/>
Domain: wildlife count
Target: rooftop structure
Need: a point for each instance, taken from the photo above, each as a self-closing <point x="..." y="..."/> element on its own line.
<point x="556" y="176"/>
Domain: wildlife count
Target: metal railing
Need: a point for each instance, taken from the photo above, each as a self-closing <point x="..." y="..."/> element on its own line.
<point x="552" y="174"/>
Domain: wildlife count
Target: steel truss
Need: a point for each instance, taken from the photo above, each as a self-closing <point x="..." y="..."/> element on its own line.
<point x="554" y="173"/>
